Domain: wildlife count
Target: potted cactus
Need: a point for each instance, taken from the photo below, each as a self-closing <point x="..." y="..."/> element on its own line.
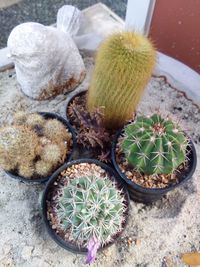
<point x="85" y="206"/>
<point x="153" y="155"/>
<point x="35" y="145"/>
<point x="123" y="67"/>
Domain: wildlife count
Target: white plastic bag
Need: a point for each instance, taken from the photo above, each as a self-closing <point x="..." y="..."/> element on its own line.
<point x="69" y="19"/>
<point x="47" y="61"/>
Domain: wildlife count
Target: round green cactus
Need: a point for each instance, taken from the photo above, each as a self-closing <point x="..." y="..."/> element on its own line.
<point x="91" y="206"/>
<point x="154" y="145"/>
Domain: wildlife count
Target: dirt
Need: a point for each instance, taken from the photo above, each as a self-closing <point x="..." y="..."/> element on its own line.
<point x="155" y="234"/>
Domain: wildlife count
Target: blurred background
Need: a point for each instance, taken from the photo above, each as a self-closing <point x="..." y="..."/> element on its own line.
<point x="14" y="12"/>
<point x="174" y="27"/>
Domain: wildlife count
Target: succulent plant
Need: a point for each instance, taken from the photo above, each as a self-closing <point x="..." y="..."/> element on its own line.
<point x="34" y="120"/>
<point x="91" y="132"/>
<point x="32" y="146"/>
<point x="154" y="145"/>
<point x="20" y="118"/>
<point x="91" y="207"/>
<point x="51" y="153"/>
<point x="124" y="65"/>
<point x="18" y="145"/>
<point x="43" y="168"/>
<point x="56" y="131"/>
<point x="26" y="169"/>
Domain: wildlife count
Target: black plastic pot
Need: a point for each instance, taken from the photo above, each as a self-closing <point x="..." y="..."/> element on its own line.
<point x="83" y="152"/>
<point x="64" y="244"/>
<point x="149" y="195"/>
<point x="48" y="115"/>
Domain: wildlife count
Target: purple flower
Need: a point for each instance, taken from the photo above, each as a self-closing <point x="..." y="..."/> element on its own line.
<point x="92" y="247"/>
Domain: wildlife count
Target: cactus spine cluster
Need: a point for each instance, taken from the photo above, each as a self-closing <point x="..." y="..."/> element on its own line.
<point x="30" y="147"/>
<point x="124" y="65"/>
<point x="154" y="145"/>
<point x="91" y="206"/>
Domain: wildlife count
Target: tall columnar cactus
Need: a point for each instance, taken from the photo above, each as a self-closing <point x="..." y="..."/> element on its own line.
<point x="154" y="145"/>
<point x="91" y="207"/>
<point x="124" y="65"/>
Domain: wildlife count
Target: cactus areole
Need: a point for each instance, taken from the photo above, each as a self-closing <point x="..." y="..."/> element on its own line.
<point x="154" y="145"/>
<point x="123" y="67"/>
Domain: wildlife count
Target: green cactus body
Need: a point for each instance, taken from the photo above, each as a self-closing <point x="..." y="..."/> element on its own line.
<point x="124" y="65"/>
<point x="154" y="145"/>
<point x="91" y="206"/>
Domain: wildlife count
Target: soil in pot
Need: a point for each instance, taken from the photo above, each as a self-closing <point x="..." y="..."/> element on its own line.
<point x="52" y="145"/>
<point x="51" y="200"/>
<point x="93" y="140"/>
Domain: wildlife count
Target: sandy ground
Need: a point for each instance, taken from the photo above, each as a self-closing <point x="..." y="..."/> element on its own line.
<point x="156" y="235"/>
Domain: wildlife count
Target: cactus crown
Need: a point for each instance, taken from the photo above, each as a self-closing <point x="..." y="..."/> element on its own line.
<point x="154" y="145"/>
<point x="123" y="67"/>
<point x="91" y="206"/>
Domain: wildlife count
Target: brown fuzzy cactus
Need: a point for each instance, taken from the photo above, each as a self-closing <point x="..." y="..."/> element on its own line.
<point x="33" y="146"/>
<point x="51" y="153"/>
<point x="43" y="168"/>
<point x="56" y="131"/>
<point x="26" y="170"/>
<point x="18" y="145"/>
<point x="35" y="120"/>
<point x="20" y="118"/>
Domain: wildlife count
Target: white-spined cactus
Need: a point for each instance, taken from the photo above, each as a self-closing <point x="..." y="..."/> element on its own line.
<point x="154" y="145"/>
<point x="92" y="208"/>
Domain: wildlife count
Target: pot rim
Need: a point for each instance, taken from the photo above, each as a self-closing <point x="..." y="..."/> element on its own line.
<point x="192" y="167"/>
<point x="67" y="245"/>
<point x="69" y="99"/>
<point x="68" y="126"/>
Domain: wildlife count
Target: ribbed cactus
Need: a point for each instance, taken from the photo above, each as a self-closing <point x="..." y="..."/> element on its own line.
<point x="91" y="207"/>
<point x="124" y="65"/>
<point x="154" y="145"/>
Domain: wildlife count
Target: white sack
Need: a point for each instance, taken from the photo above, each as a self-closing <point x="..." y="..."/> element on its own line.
<point x="47" y="61"/>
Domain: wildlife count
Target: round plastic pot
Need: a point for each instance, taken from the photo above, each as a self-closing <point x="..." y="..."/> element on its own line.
<point x="67" y="245"/>
<point x="84" y="152"/>
<point x="48" y="115"/>
<point x="149" y="195"/>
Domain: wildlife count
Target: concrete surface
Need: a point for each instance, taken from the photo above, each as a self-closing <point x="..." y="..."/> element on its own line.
<point x="6" y="3"/>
